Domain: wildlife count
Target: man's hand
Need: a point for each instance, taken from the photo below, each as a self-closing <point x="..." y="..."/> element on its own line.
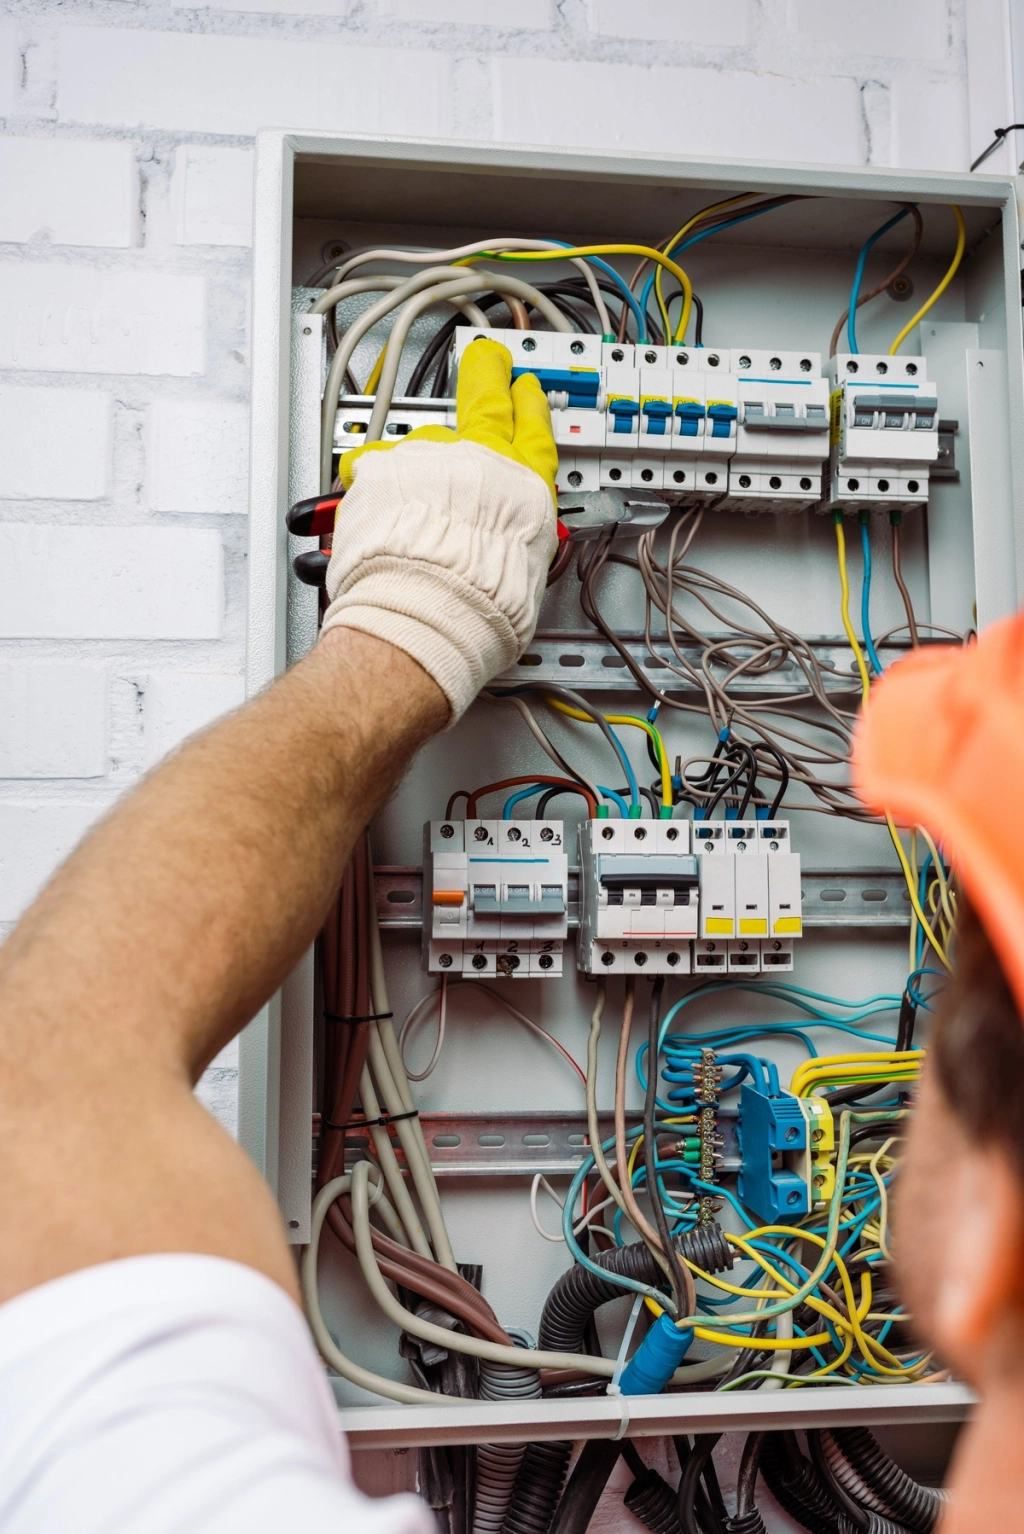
<point x="442" y="545"/>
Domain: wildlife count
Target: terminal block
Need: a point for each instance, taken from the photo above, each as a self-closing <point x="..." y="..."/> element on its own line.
<point x="783" y="433"/>
<point x="750" y="897"/>
<point x="638" y="897"/>
<point x="884" y="432"/>
<point x="786" y="1146"/>
<point x="496" y="897"/>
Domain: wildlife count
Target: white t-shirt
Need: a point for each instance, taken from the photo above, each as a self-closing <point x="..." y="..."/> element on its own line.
<point x="173" y="1395"/>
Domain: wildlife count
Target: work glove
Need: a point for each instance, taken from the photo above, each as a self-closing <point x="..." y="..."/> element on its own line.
<point x="443" y="542"/>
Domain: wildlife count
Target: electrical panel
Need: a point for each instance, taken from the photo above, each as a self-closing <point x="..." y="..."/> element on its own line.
<point x="498" y="898"/>
<point x="698" y="710"/>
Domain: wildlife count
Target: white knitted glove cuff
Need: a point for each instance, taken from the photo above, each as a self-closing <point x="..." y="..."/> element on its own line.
<point x="442" y="550"/>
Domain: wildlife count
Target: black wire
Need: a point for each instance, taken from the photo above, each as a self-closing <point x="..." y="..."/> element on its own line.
<point x="858" y="1089"/>
<point x="907" y="1022"/>
<point x="692" y="1462"/>
<point x="747" y="1478"/>
<point x="1001" y="134"/>
<point x="679" y="1287"/>
<point x="545" y="799"/>
<point x="698" y="329"/>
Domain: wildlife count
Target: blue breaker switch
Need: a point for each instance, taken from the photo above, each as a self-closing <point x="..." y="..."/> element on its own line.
<point x="624" y="413"/>
<point x="658" y="413"/>
<point x="722" y="418"/>
<point x="773" y="1137"/>
<point x="583" y="385"/>
<point x="656" y="1359"/>
<point x="690" y="415"/>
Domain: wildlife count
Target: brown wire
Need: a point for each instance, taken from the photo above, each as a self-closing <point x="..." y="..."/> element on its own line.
<point x="561" y="561"/>
<point x="428" y="1279"/>
<point x="533" y="777"/>
<point x="897" y="570"/>
<point x="896" y="272"/>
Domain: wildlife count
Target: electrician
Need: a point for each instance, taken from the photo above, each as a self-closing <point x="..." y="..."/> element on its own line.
<point x="155" y="1369"/>
<point x="941" y="730"/>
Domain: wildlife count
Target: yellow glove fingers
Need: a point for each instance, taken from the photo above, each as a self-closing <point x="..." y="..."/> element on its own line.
<point x="347" y="465"/>
<point x="532" y="440"/>
<point x="483" y="401"/>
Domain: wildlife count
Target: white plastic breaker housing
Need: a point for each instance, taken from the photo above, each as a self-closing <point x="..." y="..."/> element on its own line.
<point x="750" y="896"/>
<point x="640" y="417"/>
<point x="638" y="897"/>
<point x="782" y="433"/>
<point x="496" y="896"/>
<point x="884" y="432"/>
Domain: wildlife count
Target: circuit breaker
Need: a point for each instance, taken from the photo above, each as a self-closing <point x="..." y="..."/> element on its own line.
<point x="750" y="896"/>
<point x="884" y="432"/>
<point x="496" y="898"/>
<point x="638" y="897"/>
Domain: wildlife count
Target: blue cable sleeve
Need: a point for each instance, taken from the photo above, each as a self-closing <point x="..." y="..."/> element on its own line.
<point x="865" y="601"/>
<point x="524" y="793"/>
<point x="617" y="800"/>
<point x="858" y="277"/>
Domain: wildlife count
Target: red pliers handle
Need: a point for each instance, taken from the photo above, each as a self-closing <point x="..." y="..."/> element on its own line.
<point x="313" y="518"/>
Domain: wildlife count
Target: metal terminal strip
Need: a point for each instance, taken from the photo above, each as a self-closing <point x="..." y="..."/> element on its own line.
<point x="519" y="1144"/>
<point x="585" y="660"/>
<point x="859" y="897"/>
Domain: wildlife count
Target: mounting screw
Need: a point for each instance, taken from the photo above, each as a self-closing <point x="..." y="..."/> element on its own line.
<point x="900" y="289"/>
<point x="447" y="832"/>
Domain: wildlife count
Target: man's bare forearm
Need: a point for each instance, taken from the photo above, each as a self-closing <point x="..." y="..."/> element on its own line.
<point x="192" y="901"/>
<point x="157" y="941"/>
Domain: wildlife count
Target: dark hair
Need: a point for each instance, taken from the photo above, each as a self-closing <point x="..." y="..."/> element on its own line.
<point x="977" y="1043"/>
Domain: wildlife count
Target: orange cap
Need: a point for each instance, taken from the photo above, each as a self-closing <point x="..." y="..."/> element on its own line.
<point x="941" y="745"/>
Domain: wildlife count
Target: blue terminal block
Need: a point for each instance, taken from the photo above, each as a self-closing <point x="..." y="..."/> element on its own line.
<point x="771" y="1131"/>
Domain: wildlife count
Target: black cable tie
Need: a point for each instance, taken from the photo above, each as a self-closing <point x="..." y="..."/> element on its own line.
<point x="351" y="1022"/>
<point x="363" y="1123"/>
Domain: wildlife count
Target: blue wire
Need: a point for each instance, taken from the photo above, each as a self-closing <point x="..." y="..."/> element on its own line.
<point x="865" y="601"/>
<point x="617" y="800"/>
<point x="619" y="281"/>
<point x="695" y="239"/>
<point x="858" y="277"/>
<point x="524" y="793"/>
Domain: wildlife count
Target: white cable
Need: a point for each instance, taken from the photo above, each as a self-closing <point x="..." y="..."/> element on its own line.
<point x="542" y="739"/>
<point x="476" y="1347"/>
<point x="778" y="1371"/>
<point x="473" y="282"/>
<point x="392" y="1390"/>
<point x="540" y="1181"/>
<point x="385" y="1153"/>
<point x="414" y="1017"/>
<point x="347" y="345"/>
<point x="409" y="1130"/>
<point x="414" y="257"/>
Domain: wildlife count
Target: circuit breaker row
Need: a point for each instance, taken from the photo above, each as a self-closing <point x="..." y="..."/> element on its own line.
<point x="759" y="429"/>
<point x="497" y="895"/>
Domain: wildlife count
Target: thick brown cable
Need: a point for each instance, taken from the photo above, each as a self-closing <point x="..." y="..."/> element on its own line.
<point x="428" y="1279"/>
<point x="896" y="272"/>
<point x="561" y="561"/>
<point x="897" y="570"/>
<point x="518" y="311"/>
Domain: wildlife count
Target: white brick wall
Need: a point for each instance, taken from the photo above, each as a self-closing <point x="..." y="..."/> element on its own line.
<point x="125" y="217"/>
<point x="197" y="456"/>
